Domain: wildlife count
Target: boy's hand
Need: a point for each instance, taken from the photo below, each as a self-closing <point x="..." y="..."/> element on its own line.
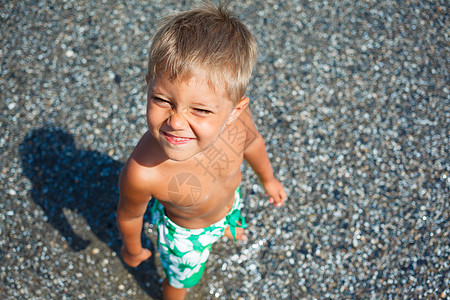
<point x="135" y="260"/>
<point x="275" y="190"/>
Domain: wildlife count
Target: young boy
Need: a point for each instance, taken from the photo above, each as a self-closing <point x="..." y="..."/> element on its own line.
<point x="200" y="130"/>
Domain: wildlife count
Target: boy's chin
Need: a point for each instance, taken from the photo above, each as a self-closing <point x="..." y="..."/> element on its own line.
<point x="179" y="155"/>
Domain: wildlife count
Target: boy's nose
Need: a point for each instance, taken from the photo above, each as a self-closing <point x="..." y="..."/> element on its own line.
<point x="177" y="121"/>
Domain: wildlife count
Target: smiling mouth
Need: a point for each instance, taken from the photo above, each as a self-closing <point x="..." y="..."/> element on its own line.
<point x="176" y="140"/>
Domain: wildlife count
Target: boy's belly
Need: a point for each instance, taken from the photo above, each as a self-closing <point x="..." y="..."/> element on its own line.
<point x="196" y="207"/>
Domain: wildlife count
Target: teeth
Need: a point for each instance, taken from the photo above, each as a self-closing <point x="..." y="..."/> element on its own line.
<point x="178" y="138"/>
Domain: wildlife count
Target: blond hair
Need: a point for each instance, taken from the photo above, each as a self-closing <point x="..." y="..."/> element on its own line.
<point x="210" y="40"/>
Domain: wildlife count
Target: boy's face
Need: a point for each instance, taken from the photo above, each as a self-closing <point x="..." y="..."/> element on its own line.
<point x="186" y="117"/>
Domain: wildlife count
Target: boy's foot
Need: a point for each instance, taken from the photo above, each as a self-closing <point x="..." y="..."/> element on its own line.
<point x="240" y="235"/>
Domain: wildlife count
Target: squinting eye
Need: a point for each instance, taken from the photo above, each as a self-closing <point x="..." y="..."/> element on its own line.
<point x="160" y="101"/>
<point x="203" y="112"/>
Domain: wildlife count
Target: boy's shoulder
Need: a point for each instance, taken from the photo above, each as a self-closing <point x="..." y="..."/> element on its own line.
<point x="145" y="146"/>
<point x="139" y="171"/>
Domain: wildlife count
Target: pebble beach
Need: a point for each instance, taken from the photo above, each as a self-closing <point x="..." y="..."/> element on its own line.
<point x="351" y="97"/>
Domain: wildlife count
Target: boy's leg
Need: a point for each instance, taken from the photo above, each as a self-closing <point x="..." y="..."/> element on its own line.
<point x="170" y="292"/>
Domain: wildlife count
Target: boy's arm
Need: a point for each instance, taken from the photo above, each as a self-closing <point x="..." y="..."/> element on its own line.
<point x="132" y="205"/>
<point x="255" y="154"/>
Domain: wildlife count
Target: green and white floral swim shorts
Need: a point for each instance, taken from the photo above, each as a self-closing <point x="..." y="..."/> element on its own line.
<point x="183" y="251"/>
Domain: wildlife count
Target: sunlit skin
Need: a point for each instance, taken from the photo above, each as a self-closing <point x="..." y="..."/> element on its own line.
<point x="188" y="120"/>
<point x="186" y="117"/>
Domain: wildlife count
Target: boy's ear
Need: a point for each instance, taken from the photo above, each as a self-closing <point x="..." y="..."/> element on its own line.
<point x="238" y="109"/>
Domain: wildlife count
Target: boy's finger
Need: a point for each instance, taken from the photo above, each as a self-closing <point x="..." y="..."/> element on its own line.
<point x="283" y="195"/>
<point x="280" y="202"/>
<point x="281" y="199"/>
